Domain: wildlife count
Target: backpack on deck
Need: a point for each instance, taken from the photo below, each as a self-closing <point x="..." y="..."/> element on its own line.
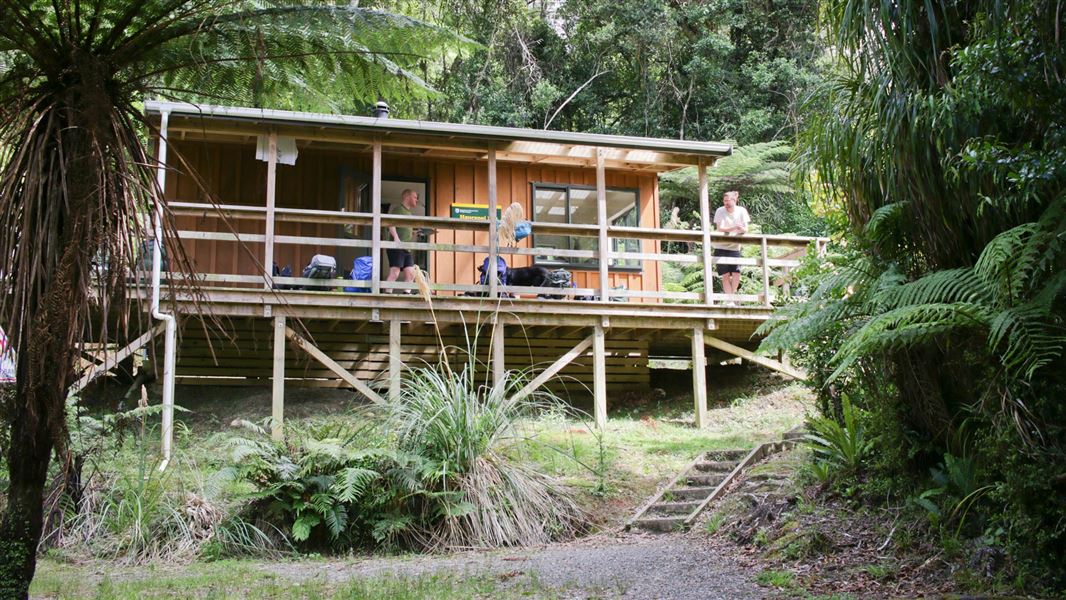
<point x="559" y="278"/>
<point x="501" y="271"/>
<point x="283" y="272"/>
<point x="362" y="270"/>
<point x="321" y="267"/>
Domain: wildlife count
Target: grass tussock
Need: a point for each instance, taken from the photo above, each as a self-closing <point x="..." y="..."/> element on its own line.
<point x="473" y="432"/>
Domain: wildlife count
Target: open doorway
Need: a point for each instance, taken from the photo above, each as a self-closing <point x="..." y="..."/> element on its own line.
<point x="355" y="197"/>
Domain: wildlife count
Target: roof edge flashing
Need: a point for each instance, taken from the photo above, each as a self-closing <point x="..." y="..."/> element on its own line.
<point x="464" y="130"/>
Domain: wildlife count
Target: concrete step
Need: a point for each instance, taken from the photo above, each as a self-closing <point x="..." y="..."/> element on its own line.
<point x="726" y="455"/>
<point x="660" y="524"/>
<point x="709" y="479"/>
<point x="674" y="508"/>
<point x="689" y="493"/>
<point x="716" y="466"/>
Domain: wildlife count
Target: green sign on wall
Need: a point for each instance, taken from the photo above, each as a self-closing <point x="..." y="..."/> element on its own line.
<point x="472" y="211"/>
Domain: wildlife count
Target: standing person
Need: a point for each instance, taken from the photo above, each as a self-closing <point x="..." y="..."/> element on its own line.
<point x="401" y="259"/>
<point x="730" y="219"/>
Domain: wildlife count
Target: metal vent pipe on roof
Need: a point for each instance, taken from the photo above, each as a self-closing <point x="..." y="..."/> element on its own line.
<point x="381" y="110"/>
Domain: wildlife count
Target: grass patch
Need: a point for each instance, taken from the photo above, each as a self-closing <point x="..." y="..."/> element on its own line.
<point x="714" y="523"/>
<point x="235" y="579"/>
<point x="881" y="571"/>
<point x="779" y="579"/>
<point x="611" y="472"/>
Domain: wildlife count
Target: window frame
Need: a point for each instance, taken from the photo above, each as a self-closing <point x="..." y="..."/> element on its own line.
<point x="568" y="262"/>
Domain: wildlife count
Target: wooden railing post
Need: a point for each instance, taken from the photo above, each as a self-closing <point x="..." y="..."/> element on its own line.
<point x="268" y="243"/>
<point x="601" y="221"/>
<point x="375" y="208"/>
<point x="705" y="227"/>
<point x="764" y="253"/>
<point x="494" y="241"/>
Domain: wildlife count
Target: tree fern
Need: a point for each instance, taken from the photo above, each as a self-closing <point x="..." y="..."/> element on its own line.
<point x="906" y="326"/>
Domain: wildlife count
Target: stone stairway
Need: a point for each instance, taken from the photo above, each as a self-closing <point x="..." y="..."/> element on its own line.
<point x="678" y="504"/>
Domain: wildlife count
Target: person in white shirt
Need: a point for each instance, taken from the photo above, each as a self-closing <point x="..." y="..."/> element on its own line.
<point x="730" y="219"/>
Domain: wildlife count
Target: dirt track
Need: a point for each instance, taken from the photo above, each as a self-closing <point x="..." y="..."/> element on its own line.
<point x="674" y="566"/>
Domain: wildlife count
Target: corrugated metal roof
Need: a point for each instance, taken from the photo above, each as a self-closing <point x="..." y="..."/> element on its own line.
<point x="456" y="130"/>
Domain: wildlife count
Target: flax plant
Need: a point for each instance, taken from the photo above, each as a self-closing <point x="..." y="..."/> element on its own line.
<point x="470" y="430"/>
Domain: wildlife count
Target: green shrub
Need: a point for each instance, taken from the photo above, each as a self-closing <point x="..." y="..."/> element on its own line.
<point x="328" y="484"/>
<point x="840" y="448"/>
<point x="443" y="465"/>
<point x="139" y="513"/>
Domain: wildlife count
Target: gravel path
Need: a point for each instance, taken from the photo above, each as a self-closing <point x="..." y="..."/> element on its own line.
<point x="636" y="566"/>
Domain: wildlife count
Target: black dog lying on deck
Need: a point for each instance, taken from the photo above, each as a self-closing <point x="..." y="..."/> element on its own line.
<point x="530" y="276"/>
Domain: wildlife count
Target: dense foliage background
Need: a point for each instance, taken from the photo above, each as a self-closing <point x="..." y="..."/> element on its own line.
<point x="717" y="70"/>
<point x="940" y="319"/>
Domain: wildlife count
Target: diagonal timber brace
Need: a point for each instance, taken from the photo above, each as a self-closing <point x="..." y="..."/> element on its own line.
<point x="110" y="361"/>
<point x="332" y="365"/>
<point x="556" y="366"/>
<point x="748" y="355"/>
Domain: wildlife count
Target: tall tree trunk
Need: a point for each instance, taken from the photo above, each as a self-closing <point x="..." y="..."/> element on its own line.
<point x="45" y="363"/>
<point x="20" y="529"/>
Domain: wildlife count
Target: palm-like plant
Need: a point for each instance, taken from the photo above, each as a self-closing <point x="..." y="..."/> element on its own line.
<point x="76" y="181"/>
<point x="759" y="169"/>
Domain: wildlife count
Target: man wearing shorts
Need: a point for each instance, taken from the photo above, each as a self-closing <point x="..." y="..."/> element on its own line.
<point x="399" y="259"/>
<point x="730" y="219"/>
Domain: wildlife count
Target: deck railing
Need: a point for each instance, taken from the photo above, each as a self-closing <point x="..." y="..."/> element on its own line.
<point x="778" y="254"/>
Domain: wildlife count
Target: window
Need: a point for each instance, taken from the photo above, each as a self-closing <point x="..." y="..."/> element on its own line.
<point x="576" y="205"/>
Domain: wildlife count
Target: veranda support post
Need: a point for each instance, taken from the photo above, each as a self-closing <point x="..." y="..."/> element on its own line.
<point x="494" y="241"/>
<point x="395" y="362"/>
<point x="764" y="255"/>
<point x="499" y="368"/>
<point x="599" y="375"/>
<point x="375" y="208"/>
<point x="271" y="191"/>
<point x="699" y="378"/>
<point x="277" y="395"/>
<point x="705" y="228"/>
<point x="603" y="250"/>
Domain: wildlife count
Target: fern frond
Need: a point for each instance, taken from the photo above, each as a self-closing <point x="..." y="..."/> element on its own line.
<point x="1026" y="339"/>
<point x="885" y="222"/>
<point x="906" y="326"/>
<point x="940" y="287"/>
<point x="352" y="483"/>
<point x="1004" y="260"/>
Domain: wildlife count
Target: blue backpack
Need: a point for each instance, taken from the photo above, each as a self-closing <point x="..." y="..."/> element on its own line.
<point x="362" y="270"/>
<point x="501" y="271"/>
